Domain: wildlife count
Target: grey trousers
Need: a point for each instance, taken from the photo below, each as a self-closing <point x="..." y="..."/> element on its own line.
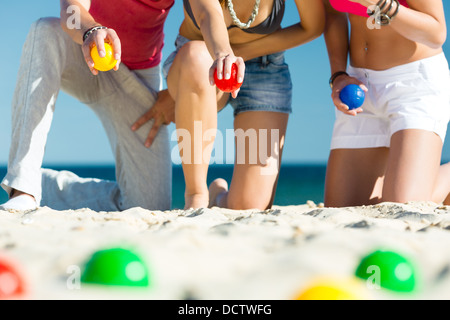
<point x="51" y="62"/>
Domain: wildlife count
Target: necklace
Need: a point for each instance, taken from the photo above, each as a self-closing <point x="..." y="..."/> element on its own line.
<point x="236" y="20"/>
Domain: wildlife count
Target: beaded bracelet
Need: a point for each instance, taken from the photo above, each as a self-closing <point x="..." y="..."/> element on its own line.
<point x="91" y="30"/>
<point x="334" y="76"/>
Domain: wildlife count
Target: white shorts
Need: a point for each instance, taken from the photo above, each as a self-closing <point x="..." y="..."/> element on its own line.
<point x="411" y="96"/>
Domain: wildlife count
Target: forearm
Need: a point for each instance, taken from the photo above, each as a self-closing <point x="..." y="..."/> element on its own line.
<point x="86" y="19"/>
<point x="423" y="22"/>
<point x="312" y="17"/>
<point x="281" y="40"/>
<point x="337" y="41"/>
<point x="217" y="42"/>
<point x="420" y="27"/>
<point x="210" y="19"/>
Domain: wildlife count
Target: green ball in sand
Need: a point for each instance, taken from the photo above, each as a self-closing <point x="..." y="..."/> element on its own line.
<point x="391" y="270"/>
<point x="116" y="267"/>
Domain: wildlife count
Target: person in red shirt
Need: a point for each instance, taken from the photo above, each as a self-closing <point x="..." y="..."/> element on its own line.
<point x="56" y="56"/>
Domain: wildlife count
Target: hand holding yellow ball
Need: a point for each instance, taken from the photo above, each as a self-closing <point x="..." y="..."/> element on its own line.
<point x="106" y="63"/>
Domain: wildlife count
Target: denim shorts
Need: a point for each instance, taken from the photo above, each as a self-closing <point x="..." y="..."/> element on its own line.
<point x="267" y="83"/>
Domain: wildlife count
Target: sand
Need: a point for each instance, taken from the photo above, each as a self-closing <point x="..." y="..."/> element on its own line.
<point x="224" y="254"/>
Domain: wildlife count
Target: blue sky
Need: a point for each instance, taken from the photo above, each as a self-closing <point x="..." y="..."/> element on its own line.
<point x="77" y="136"/>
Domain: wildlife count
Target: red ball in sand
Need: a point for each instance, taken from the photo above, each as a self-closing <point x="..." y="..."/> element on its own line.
<point x="12" y="284"/>
<point x="228" y="85"/>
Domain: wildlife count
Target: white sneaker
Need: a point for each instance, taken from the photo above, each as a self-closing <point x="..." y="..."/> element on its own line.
<point x="20" y="203"/>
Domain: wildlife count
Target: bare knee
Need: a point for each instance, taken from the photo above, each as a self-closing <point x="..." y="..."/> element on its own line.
<point x="194" y="62"/>
<point x="407" y="190"/>
<point x="442" y="187"/>
<point x="403" y="195"/>
<point x="247" y="202"/>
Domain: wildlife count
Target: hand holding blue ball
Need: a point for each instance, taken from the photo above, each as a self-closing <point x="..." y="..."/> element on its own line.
<point x="353" y="96"/>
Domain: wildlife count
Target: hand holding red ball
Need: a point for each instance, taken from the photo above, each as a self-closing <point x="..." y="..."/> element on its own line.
<point x="228" y="85"/>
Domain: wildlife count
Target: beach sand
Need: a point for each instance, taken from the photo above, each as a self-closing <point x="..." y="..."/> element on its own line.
<point x="224" y="254"/>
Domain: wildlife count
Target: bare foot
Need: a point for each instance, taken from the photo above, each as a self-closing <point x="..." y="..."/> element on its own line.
<point x="217" y="190"/>
<point x="196" y="201"/>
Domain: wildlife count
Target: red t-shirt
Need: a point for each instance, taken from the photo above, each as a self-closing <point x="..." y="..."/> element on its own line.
<point x="139" y="25"/>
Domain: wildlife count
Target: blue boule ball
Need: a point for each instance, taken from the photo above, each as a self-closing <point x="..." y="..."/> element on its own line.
<point x="353" y="96"/>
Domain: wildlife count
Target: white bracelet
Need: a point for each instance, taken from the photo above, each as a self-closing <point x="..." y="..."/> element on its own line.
<point x="89" y="31"/>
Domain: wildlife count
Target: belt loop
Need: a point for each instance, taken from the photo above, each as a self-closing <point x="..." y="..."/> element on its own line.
<point x="264" y="61"/>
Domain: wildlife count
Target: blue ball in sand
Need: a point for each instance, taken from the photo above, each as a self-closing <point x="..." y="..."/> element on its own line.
<point x="353" y="96"/>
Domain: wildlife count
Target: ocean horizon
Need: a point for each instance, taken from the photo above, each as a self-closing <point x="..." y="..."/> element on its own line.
<point x="297" y="183"/>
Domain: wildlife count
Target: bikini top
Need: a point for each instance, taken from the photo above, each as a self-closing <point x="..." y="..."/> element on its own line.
<point x="355" y="8"/>
<point x="270" y="25"/>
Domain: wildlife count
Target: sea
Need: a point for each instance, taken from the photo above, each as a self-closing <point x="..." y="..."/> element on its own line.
<point x="297" y="184"/>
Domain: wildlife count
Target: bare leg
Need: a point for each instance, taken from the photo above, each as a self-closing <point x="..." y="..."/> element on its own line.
<point x="355" y="176"/>
<point x="196" y="115"/>
<point x="413" y="166"/>
<point x="399" y="174"/>
<point x="257" y="162"/>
